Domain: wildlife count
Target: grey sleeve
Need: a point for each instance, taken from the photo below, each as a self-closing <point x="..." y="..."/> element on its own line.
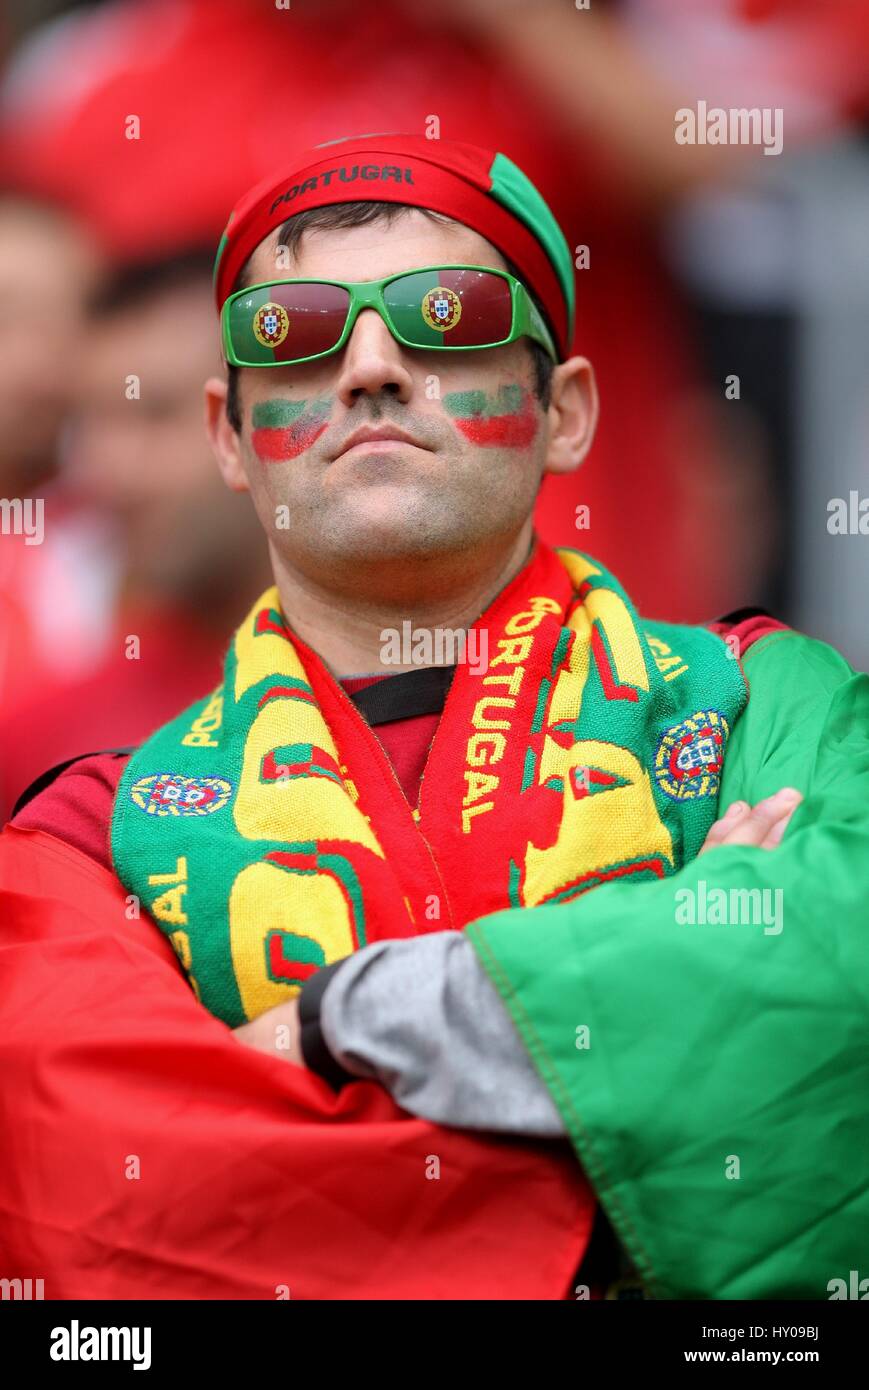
<point x="422" y="1017"/>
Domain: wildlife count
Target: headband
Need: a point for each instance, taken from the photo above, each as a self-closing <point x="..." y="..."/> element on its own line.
<point x="482" y="190"/>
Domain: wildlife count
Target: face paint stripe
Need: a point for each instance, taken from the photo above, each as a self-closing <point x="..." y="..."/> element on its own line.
<point x="274" y="446"/>
<point x="278" y="414"/>
<point x="504" y="431"/>
<point x="505" y="419"/>
<point x="284" y="429"/>
<point x="508" y="400"/>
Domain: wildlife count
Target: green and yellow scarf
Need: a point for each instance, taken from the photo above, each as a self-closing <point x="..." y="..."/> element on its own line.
<point x="266" y="833"/>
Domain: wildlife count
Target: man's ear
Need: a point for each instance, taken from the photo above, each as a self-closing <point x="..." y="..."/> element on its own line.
<point x="573" y="412"/>
<point x="222" y="437"/>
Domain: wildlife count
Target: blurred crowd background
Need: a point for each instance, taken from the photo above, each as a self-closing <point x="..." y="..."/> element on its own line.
<point x="705" y="263"/>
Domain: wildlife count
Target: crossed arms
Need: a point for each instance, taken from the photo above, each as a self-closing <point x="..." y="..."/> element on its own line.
<point x="422" y="1017"/>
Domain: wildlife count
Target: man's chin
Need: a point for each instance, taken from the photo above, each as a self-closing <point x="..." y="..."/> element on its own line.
<point x="383" y="511"/>
<point x="393" y="524"/>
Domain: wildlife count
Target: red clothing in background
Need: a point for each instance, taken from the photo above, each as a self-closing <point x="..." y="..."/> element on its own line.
<point x="118" y="705"/>
<point x="77" y="806"/>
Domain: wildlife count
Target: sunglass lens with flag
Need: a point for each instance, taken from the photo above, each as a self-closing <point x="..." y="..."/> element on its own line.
<point x="289" y="321"/>
<point x="450" y="307"/>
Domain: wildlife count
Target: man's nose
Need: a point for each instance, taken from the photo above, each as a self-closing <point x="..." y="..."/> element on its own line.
<point x="372" y="362"/>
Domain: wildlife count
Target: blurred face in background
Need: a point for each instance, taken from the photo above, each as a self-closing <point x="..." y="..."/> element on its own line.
<point x="139" y="451"/>
<point x="47" y="269"/>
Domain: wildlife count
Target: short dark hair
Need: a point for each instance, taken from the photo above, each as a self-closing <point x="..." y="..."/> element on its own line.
<point x="129" y="283"/>
<point x="340" y="215"/>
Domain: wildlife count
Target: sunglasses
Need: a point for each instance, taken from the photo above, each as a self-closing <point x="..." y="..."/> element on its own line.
<point x="448" y="307"/>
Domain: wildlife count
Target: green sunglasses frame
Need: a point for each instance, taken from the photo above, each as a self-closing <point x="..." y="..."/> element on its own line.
<point x="527" y="320"/>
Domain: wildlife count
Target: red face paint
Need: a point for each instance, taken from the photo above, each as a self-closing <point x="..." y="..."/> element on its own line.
<point x="505" y="419"/>
<point x="284" y="429"/>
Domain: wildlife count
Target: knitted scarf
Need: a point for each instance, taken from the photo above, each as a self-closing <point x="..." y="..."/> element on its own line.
<point x="266" y="833"/>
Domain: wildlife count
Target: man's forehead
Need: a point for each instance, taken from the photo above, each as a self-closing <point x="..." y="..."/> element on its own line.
<point x="373" y="250"/>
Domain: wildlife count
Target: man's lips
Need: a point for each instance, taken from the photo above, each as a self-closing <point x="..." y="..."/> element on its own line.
<point x="369" y="439"/>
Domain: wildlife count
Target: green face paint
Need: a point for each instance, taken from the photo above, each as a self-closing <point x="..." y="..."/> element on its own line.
<point x="502" y="419"/>
<point x="284" y="429"/>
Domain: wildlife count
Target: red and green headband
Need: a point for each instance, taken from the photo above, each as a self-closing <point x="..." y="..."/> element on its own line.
<point x="485" y="191"/>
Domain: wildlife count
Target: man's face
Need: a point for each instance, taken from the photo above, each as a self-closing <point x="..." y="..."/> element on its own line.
<point x="145" y="461"/>
<point x="147" y="453"/>
<point x="46" y="271"/>
<point x="468" y="464"/>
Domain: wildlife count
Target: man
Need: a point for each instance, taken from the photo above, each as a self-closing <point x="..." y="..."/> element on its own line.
<point x="401" y="380"/>
<point x="46" y="256"/>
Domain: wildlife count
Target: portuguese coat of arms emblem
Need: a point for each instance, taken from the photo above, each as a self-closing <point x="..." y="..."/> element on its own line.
<point x="441" y="308"/>
<point x="271" y="324"/>
<point x="690" y="756"/>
